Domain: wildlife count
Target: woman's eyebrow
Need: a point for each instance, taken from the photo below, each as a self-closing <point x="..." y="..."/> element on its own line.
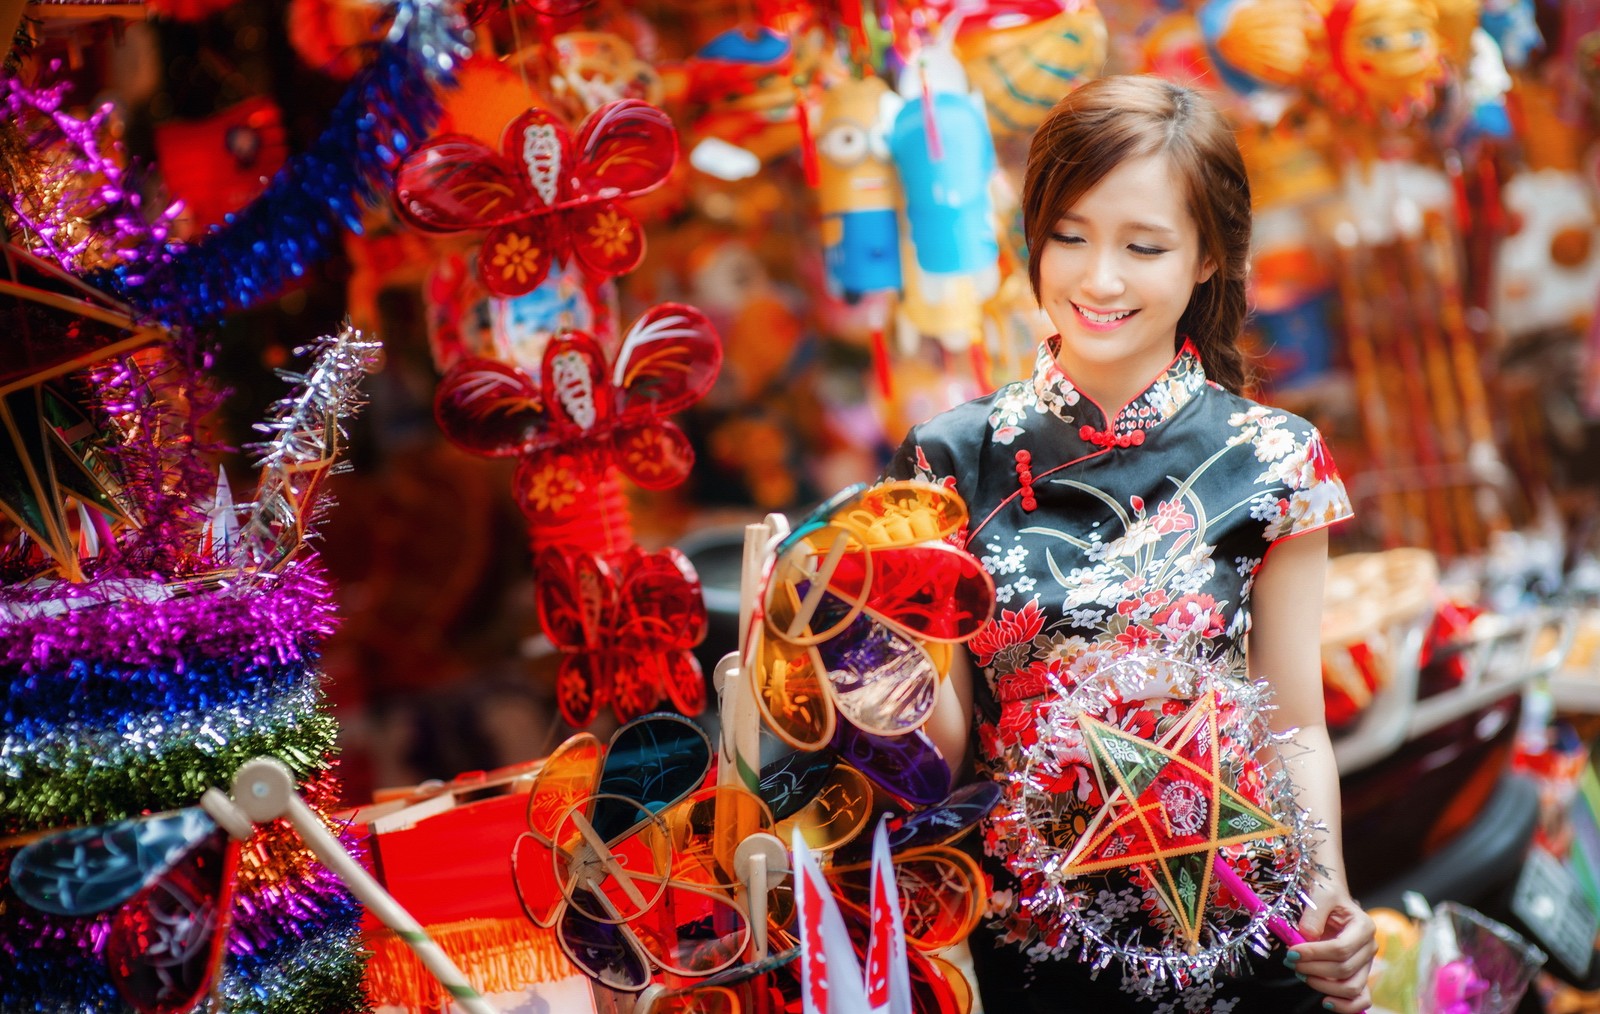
<point x="1131" y="226"/>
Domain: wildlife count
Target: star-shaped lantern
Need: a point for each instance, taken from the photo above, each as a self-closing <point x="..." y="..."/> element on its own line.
<point x="1167" y="806"/>
<point x="51" y="456"/>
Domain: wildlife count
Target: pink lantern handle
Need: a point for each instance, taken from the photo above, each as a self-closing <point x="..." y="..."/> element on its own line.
<point x="1252" y="902"/>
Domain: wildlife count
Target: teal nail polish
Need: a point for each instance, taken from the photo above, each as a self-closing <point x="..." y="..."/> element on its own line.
<point x="1301" y="976"/>
<point x="1291" y="958"/>
<point x="1328" y="1004"/>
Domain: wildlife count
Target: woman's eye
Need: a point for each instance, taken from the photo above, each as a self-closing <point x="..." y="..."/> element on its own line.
<point x="1146" y="251"/>
<point x="1062" y="237"/>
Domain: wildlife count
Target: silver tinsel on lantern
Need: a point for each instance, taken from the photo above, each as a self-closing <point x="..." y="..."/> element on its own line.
<point x="1035" y="845"/>
<point x="305" y="434"/>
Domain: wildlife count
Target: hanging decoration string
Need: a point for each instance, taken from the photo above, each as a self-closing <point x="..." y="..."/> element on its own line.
<point x="301" y="216"/>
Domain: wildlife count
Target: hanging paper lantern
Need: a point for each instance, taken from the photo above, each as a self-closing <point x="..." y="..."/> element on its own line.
<point x="625" y="629"/>
<point x="1256" y="43"/>
<point x="221" y="163"/>
<point x="1023" y="69"/>
<point x="858" y="194"/>
<point x="1176" y="50"/>
<point x="740" y="88"/>
<point x="1547" y="271"/>
<point x="593" y="68"/>
<point x="945" y="154"/>
<point x="1376" y="58"/>
<point x="544" y="197"/>
<point x="1458" y="19"/>
<point x="1514" y="25"/>
<point x="330" y="36"/>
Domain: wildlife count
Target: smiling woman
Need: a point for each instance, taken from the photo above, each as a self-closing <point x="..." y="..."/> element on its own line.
<point x="1116" y="274"/>
<point x="1127" y="499"/>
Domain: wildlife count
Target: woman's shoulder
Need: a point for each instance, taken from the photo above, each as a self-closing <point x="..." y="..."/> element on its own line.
<point x="967" y="424"/>
<point x="950" y="443"/>
<point x="1242" y="412"/>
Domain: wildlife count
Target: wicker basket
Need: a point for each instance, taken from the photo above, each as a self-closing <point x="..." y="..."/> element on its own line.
<point x="1370" y="599"/>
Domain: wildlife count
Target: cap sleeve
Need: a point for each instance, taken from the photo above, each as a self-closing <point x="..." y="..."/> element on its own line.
<point x="1315" y="496"/>
<point x="920" y="458"/>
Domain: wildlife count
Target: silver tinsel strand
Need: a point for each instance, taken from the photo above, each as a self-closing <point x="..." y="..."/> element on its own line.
<point x="306" y="434"/>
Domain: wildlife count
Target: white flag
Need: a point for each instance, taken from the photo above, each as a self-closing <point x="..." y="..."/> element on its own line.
<point x="888" y="974"/>
<point x="830" y="978"/>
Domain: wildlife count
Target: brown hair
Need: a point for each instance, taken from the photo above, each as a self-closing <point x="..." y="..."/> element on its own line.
<point x="1111" y="120"/>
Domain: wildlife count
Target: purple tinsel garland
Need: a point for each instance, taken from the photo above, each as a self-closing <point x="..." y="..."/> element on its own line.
<point x="113" y="209"/>
<point x="263" y="619"/>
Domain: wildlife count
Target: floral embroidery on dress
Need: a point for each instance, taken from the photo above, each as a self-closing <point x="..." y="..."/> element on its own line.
<point x="1052" y="390"/>
<point x="1164" y="398"/>
<point x="1012" y="405"/>
<point x="924" y="471"/>
<point x="1317" y="496"/>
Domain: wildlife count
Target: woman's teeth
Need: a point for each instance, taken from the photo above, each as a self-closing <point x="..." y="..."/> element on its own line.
<point x="1103" y="318"/>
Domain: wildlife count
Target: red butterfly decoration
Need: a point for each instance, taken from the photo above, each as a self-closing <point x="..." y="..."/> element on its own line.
<point x="625" y="629"/>
<point x="543" y="197"/>
<point x="585" y="414"/>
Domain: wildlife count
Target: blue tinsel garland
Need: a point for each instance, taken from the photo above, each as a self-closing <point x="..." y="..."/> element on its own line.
<point x="94" y="694"/>
<point x="301" y="216"/>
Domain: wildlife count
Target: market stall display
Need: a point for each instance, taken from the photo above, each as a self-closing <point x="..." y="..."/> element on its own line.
<point x="808" y="213"/>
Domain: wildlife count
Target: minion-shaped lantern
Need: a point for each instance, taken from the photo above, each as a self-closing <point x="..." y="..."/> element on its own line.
<point x="858" y="189"/>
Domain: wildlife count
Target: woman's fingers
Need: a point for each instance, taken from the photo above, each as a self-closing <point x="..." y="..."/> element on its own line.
<point x="1338" y="966"/>
<point x="1347" y="997"/>
<point x="1335" y="964"/>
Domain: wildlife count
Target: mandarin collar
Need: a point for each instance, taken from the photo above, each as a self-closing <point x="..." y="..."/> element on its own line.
<point x="1160" y="400"/>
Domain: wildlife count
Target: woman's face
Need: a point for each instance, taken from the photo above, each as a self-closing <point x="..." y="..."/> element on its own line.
<point x="1118" y="270"/>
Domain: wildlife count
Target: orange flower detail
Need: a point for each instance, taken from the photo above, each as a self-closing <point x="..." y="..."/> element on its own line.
<point x="516" y="257"/>
<point x="551" y="489"/>
<point x="612" y="233"/>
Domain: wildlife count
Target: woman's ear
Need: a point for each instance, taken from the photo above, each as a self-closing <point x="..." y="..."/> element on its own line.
<point x="1208" y="267"/>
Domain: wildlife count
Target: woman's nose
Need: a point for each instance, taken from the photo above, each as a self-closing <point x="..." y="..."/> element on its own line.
<point x="1104" y="279"/>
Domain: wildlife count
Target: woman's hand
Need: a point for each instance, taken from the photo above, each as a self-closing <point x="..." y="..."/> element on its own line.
<point x="1341" y="941"/>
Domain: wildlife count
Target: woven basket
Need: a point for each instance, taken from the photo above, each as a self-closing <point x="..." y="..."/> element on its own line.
<point x="1370" y="599"/>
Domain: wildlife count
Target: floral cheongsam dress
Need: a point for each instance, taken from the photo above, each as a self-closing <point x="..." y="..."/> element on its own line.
<point x="1103" y="535"/>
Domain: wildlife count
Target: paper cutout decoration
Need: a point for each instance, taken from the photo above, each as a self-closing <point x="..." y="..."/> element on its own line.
<point x="625" y="629"/>
<point x="169" y="880"/>
<point x="544" y="198"/>
<point x="586" y="414"/>
<point x="611" y="863"/>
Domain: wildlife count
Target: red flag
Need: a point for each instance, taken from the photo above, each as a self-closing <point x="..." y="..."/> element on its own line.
<point x="888" y="974"/>
<point x="830" y="978"/>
